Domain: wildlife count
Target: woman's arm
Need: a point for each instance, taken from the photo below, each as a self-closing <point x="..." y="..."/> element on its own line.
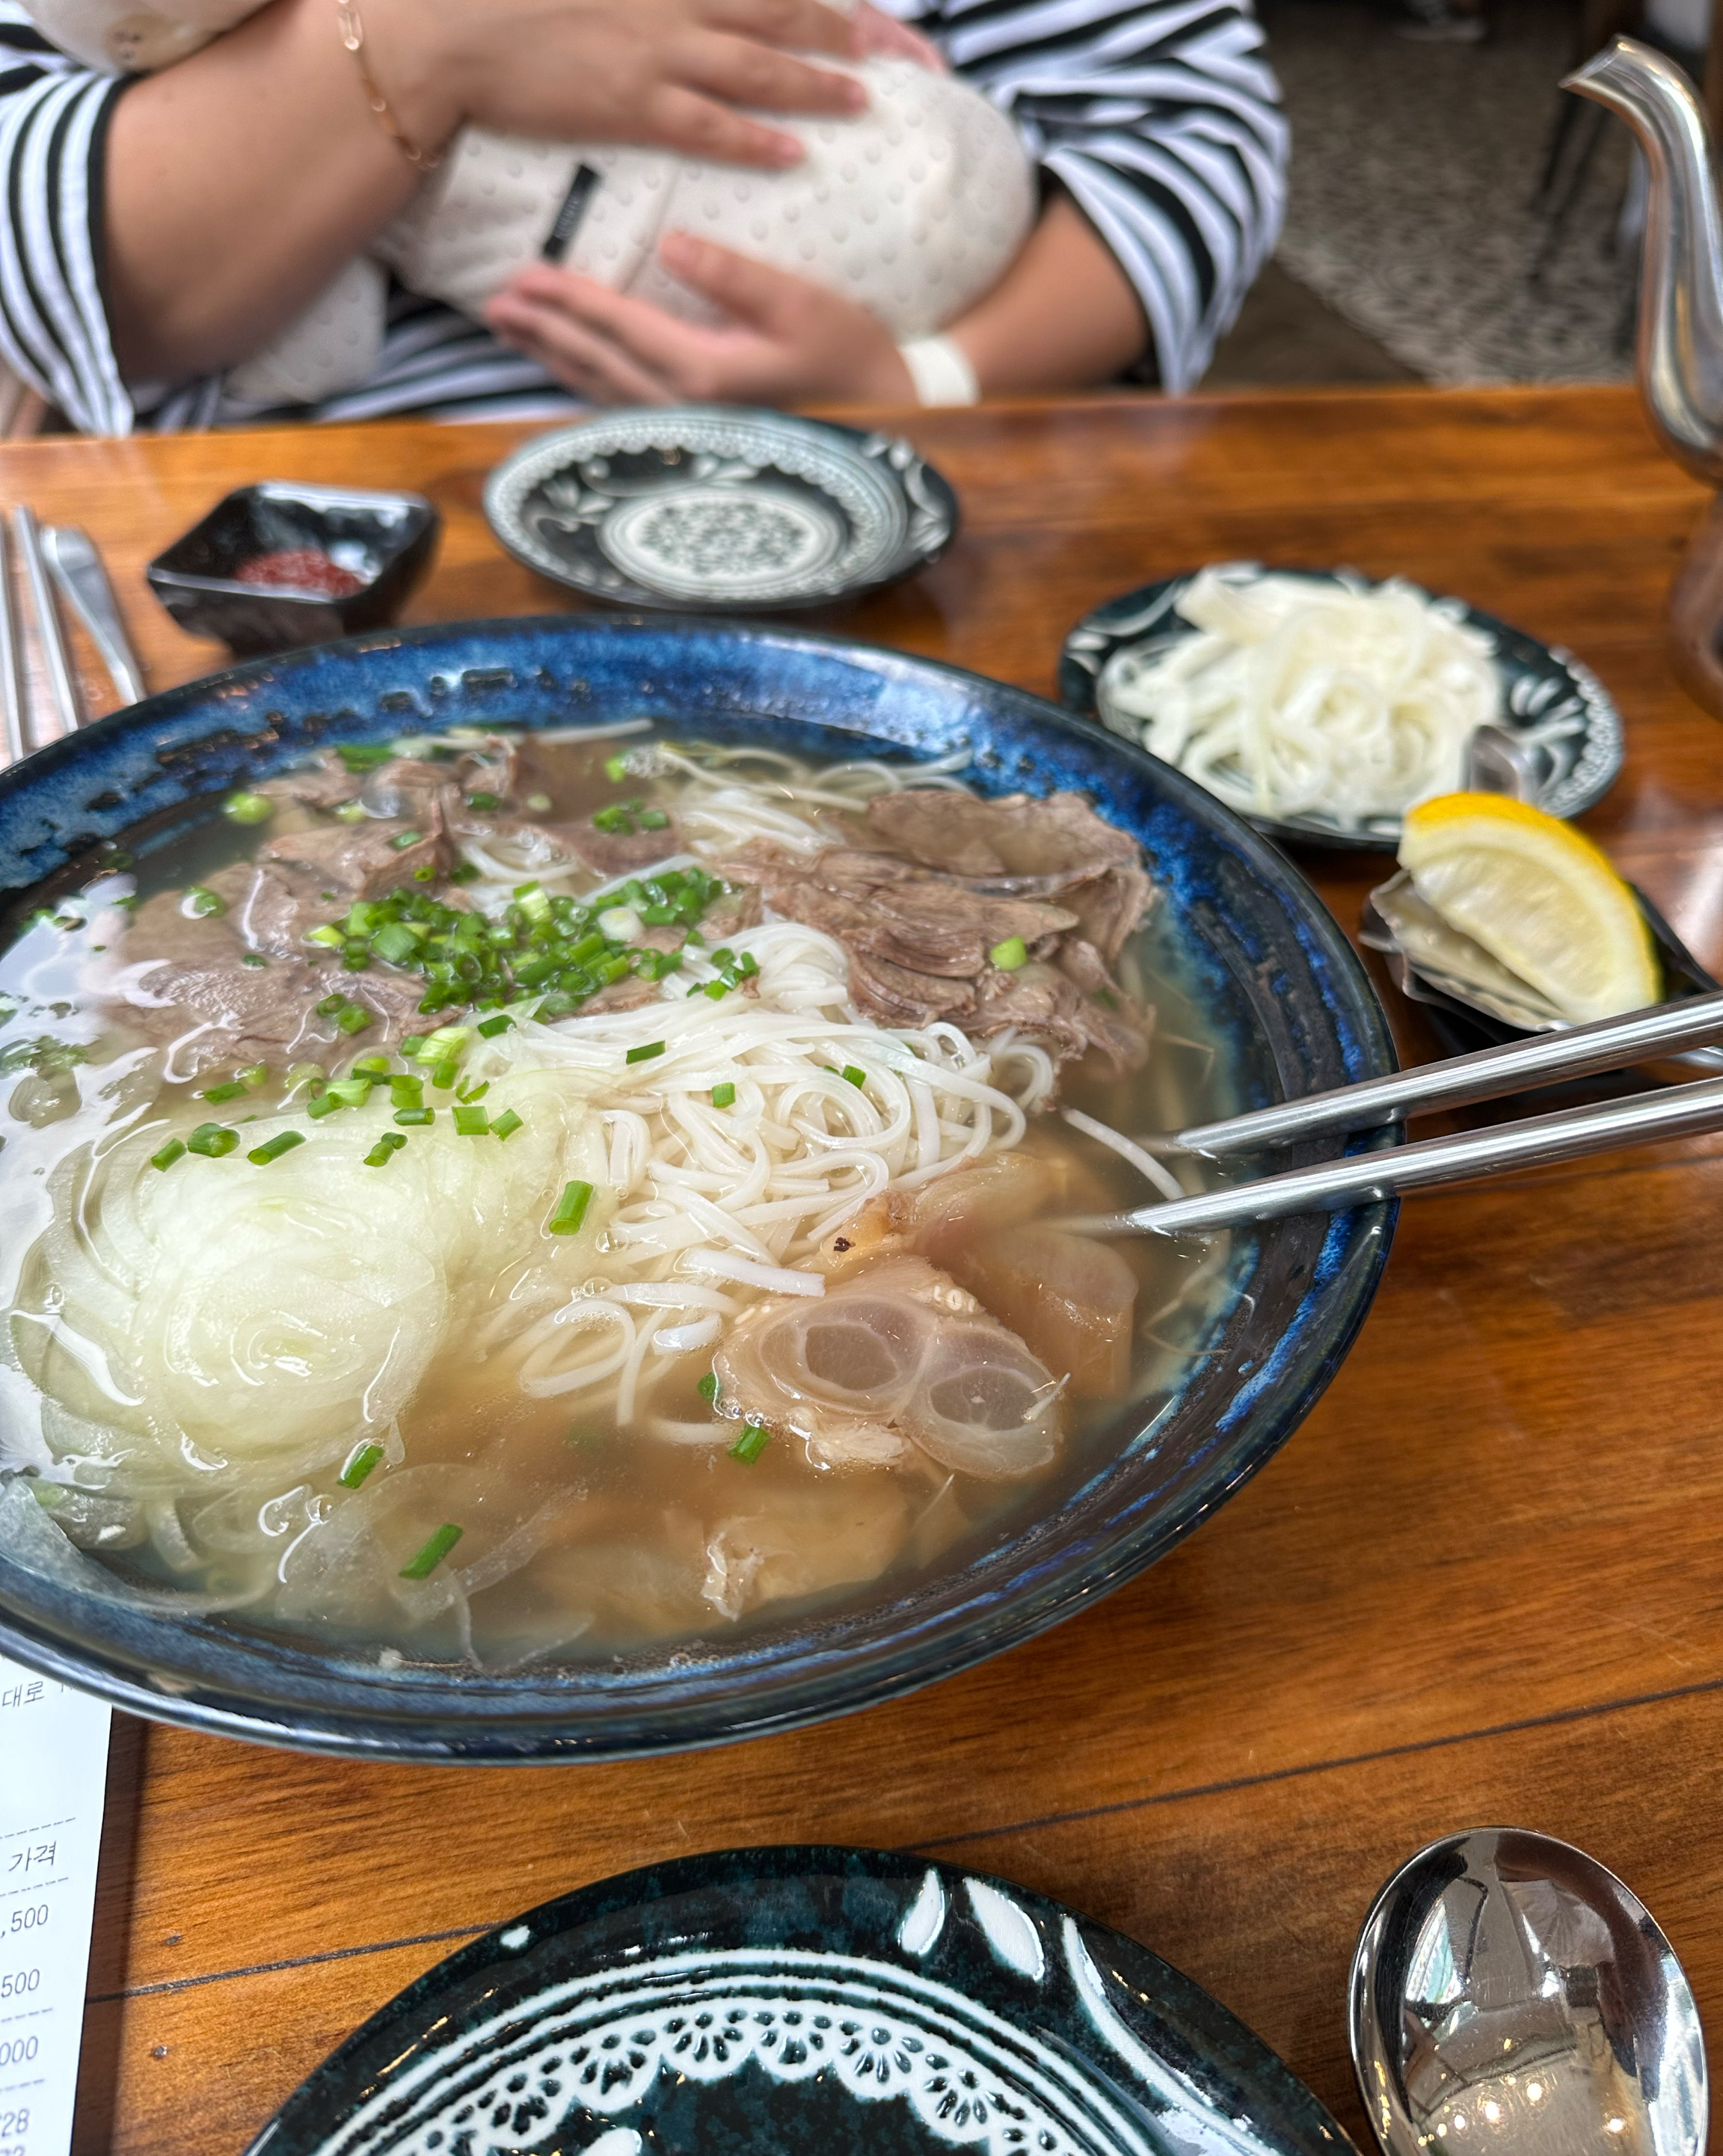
<point x="1063" y="314"/>
<point x="1162" y="119"/>
<point x="53" y="116"/>
<point x="239" y="182"/>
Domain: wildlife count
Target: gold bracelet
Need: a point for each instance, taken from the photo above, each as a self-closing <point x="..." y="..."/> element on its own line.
<point x="352" y="33"/>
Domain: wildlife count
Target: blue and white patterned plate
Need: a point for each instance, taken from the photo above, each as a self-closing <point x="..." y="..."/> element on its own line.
<point x="838" y="2001"/>
<point x="1556" y="707"/>
<point x="700" y="506"/>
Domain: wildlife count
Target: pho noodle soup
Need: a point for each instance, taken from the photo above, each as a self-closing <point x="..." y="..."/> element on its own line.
<point x="498" y="1198"/>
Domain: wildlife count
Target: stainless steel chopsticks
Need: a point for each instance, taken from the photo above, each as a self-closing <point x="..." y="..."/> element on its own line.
<point x="12" y="689"/>
<point x="27" y="535"/>
<point x="77" y="567"/>
<point x="1331" y="1185"/>
<point x="1581" y="1051"/>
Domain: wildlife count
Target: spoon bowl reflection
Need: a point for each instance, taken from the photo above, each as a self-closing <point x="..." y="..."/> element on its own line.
<point x="1509" y="1995"/>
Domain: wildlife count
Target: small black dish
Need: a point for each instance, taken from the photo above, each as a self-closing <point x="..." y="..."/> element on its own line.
<point x="386" y="539"/>
<point x="849" y="2001"/>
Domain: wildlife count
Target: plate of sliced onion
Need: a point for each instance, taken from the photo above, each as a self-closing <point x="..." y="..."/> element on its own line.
<point x="1323" y="705"/>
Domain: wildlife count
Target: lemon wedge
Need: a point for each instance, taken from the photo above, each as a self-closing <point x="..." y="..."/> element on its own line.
<point x="1537" y="896"/>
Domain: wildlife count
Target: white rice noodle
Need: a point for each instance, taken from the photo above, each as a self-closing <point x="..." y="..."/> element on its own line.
<point x="774" y="1280"/>
<point x="1144" y="1164"/>
<point x="549" y="1367"/>
<point x="1344" y="701"/>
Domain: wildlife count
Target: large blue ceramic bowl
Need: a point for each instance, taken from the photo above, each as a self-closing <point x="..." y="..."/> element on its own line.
<point x="1276" y="978"/>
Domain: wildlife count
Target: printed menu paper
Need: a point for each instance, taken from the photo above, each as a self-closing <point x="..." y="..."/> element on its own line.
<point x="53" y="1756"/>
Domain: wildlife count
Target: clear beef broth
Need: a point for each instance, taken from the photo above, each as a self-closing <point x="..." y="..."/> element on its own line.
<point x="597" y="1515"/>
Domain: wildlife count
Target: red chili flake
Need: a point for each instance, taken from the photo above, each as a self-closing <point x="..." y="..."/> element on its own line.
<point x="300" y="569"/>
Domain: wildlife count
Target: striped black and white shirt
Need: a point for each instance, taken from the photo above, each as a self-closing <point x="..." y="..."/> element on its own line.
<point x="1160" y="117"/>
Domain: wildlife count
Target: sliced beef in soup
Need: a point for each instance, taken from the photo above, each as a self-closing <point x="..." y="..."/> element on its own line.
<point x="1053" y="848"/>
<point x="921" y="944"/>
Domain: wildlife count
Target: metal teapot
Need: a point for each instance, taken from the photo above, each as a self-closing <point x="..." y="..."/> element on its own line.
<point x="1681" y="343"/>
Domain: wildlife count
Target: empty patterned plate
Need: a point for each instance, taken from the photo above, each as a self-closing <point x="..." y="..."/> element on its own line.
<point x="699" y="505"/>
<point x="1562" y="725"/>
<point x="798" y="2000"/>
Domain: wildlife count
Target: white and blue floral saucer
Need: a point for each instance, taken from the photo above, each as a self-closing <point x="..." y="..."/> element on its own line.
<point x="702" y="506"/>
<point x="839" y="2000"/>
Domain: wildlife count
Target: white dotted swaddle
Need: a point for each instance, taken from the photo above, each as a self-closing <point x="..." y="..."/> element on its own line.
<point x="914" y="208"/>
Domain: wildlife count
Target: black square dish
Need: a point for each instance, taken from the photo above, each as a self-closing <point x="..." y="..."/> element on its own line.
<point x="385" y="540"/>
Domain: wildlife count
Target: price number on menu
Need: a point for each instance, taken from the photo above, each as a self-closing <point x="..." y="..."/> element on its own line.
<point x="28" y="1917"/>
<point x="13" y="2122"/>
<point x="19" y="1983"/>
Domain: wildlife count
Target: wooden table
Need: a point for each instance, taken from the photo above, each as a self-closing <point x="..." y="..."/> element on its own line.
<point x="1480" y="1584"/>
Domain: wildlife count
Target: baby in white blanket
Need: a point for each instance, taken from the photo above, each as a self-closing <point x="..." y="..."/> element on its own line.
<point x="915" y="209"/>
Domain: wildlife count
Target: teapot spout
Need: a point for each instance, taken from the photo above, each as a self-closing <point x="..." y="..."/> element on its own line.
<point x="1680" y="346"/>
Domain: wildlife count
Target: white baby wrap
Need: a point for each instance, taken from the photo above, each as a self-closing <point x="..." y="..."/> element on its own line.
<point x="914" y="208"/>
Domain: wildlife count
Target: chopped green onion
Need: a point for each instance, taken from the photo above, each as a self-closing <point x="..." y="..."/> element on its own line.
<point x="749" y="964"/>
<point x="433" y="1554"/>
<point x="708" y="1388"/>
<point x="330" y="1004"/>
<point x="854" y="1074"/>
<point x="415" y="1118"/>
<point x="396" y="943"/>
<point x="541" y="802"/>
<point x="571" y="1209"/>
<point x="654" y="819"/>
<point x="364" y="756"/>
<point x="230" y="1090"/>
<point x="273" y="1148"/>
<point x="470" y="1122"/>
<point x="446" y="1040"/>
<point x="1010" y="955"/>
<point x="169" y="1153"/>
<point x="248" y="808"/>
<point x="387" y="1146"/>
<point x="198" y="901"/>
<point x="411" y="1044"/>
<point x="506" y="1124"/>
<point x="254" y="958"/>
<point x="329" y="936"/>
<point x="405" y="1092"/>
<point x="425" y="873"/>
<point x="445" y="1074"/>
<point x="326" y="1104"/>
<point x="353" y="1017"/>
<point x="616" y="769"/>
<point x="490" y="1027"/>
<point x="369" y="1066"/>
<point x="213" y="1140"/>
<point x="253" y="1076"/>
<point x="360" y="1463"/>
<point x="752" y="1442"/>
<point x="351" y="1092"/>
<point x="646" y="1054"/>
<point x="616" y="820"/>
<point x="351" y="812"/>
<point x="724" y="1095"/>
<point x="483" y="802"/>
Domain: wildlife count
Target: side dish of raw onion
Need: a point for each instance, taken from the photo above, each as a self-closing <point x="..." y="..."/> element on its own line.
<point x="1338" y="701"/>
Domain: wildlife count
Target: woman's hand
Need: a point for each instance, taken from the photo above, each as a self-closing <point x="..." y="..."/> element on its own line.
<point x="787" y="340"/>
<point x="663" y="72"/>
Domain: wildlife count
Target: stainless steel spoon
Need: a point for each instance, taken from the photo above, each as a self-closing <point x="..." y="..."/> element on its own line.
<point x="1509" y="1995"/>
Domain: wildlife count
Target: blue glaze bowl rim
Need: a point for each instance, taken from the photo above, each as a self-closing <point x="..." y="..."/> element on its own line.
<point x="1132" y="2040"/>
<point x="200" y="740"/>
